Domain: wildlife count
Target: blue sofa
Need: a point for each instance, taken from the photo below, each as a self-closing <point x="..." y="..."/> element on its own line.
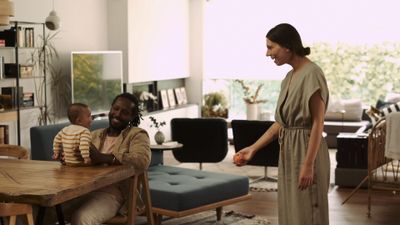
<point x="175" y="191"/>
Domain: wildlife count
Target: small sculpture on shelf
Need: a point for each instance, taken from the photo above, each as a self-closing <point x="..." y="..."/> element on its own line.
<point x="159" y="137"/>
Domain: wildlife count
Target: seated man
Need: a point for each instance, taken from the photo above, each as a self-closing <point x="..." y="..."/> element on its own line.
<point x="123" y="142"/>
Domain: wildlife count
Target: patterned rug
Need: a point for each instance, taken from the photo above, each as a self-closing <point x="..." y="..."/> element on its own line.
<point x="264" y="186"/>
<point x="209" y="218"/>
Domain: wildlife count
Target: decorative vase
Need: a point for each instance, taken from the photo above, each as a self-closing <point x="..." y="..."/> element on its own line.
<point x="252" y="111"/>
<point x="159" y="137"/>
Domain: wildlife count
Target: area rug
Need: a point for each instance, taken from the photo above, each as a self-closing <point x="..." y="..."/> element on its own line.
<point x="209" y="218"/>
<point x="264" y="186"/>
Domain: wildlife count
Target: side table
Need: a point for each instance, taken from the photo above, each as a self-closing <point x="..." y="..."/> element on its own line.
<point x="158" y="150"/>
<point x="351" y="158"/>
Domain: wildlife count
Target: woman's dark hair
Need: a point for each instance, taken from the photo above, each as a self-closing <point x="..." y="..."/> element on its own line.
<point x="287" y="36"/>
<point x="136" y="111"/>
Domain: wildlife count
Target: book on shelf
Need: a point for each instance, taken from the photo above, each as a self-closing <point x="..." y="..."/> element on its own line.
<point x="4" y="134"/>
<point x="12" y="93"/>
<point x="28" y="99"/>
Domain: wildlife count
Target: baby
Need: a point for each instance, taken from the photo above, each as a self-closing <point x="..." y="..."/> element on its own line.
<point x="75" y="137"/>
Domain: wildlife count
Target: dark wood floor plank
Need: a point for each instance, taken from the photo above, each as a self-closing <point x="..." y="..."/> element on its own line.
<point x="385" y="204"/>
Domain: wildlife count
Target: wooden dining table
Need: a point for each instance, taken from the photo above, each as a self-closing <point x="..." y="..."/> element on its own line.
<point x="49" y="184"/>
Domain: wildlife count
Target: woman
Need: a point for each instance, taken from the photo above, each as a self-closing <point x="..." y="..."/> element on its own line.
<point x="303" y="175"/>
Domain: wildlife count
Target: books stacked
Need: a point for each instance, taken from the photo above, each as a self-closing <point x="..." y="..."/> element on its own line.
<point x="27" y="99"/>
<point x="3" y="134"/>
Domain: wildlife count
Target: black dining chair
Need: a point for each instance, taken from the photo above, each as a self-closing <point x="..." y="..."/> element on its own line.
<point x="205" y="140"/>
<point x="245" y="133"/>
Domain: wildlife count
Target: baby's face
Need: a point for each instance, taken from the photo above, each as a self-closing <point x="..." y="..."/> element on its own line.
<point x="86" y="118"/>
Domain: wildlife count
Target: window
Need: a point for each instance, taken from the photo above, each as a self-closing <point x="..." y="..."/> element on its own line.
<point x="355" y="43"/>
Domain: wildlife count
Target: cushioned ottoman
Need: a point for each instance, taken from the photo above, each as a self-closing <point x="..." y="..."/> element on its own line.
<point x="179" y="189"/>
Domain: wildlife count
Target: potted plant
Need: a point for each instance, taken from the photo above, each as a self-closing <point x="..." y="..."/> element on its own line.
<point x="215" y="105"/>
<point x="159" y="137"/>
<point x="251" y="99"/>
<point x="46" y="58"/>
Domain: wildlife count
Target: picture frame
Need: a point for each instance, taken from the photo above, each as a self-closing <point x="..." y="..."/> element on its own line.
<point x="171" y="97"/>
<point x="178" y="96"/>
<point x="183" y="95"/>
<point x="164" y="99"/>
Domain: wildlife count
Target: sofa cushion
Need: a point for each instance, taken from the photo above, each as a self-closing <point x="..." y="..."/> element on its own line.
<point x="392" y="97"/>
<point x="178" y="189"/>
<point x="344" y="110"/>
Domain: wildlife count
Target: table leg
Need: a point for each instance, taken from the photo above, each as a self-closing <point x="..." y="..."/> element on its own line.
<point x="60" y="215"/>
<point x="40" y="215"/>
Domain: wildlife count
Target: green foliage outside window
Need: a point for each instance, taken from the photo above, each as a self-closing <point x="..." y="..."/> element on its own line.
<point x="89" y="85"/>
<point x="364" y="72"/>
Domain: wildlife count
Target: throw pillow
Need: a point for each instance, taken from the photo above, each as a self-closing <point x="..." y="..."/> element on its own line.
<point x="376" y="114"/>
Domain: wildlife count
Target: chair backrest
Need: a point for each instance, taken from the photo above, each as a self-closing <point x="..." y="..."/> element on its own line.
<point x="246" y="132"/>
<point x="203" y="139"/>
<point x="42" y="141"/>
<point x="42" y="138"/>
<point x="13" y="151"/>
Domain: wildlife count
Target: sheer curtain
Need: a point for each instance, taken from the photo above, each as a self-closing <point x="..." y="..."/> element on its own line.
<point x="234" y="30"/>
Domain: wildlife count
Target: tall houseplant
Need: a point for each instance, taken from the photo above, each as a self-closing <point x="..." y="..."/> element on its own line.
<point x="46" y="59"/>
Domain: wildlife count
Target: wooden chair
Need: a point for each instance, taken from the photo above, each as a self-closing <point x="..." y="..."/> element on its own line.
<point x="139" y="187"/>
<point x="383" y="172"/>
<point x="13" y="210"/>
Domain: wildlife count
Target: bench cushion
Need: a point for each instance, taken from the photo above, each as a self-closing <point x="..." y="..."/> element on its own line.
<point x="178" y="189"/>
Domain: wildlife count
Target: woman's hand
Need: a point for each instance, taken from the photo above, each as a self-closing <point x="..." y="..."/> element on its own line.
<point x="243" y="156"/>
<point x="306" y="176"/>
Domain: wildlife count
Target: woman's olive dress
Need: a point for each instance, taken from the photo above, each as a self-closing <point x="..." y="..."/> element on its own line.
<point x="309" y="206"/>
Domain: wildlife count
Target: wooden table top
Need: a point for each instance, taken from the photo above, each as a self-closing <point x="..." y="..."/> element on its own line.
<point x="48" y="183"/>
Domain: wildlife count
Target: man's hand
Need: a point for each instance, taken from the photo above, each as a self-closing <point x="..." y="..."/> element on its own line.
<point x="98" y="158"/>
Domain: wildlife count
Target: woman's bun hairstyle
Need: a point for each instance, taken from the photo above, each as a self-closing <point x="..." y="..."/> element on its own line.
<point x="287" y="36"/>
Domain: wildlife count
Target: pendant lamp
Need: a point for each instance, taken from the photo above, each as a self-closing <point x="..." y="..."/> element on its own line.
<point x="6" y="10"/>
<point x="52" y="21"/>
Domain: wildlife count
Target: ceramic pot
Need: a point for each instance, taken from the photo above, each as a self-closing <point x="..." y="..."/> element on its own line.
<point x="159" y="137"/>
<point x="252" y="111"/>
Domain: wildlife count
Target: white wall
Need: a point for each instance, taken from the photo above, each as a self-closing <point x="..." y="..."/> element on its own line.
<point x="84" y="26"/>
<point x="83" y="23"/>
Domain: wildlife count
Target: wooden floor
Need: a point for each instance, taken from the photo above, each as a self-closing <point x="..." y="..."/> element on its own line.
<point x="385" y="207"/>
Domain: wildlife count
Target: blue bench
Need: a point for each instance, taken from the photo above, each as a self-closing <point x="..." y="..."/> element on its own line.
<point x="175" y="191"/>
